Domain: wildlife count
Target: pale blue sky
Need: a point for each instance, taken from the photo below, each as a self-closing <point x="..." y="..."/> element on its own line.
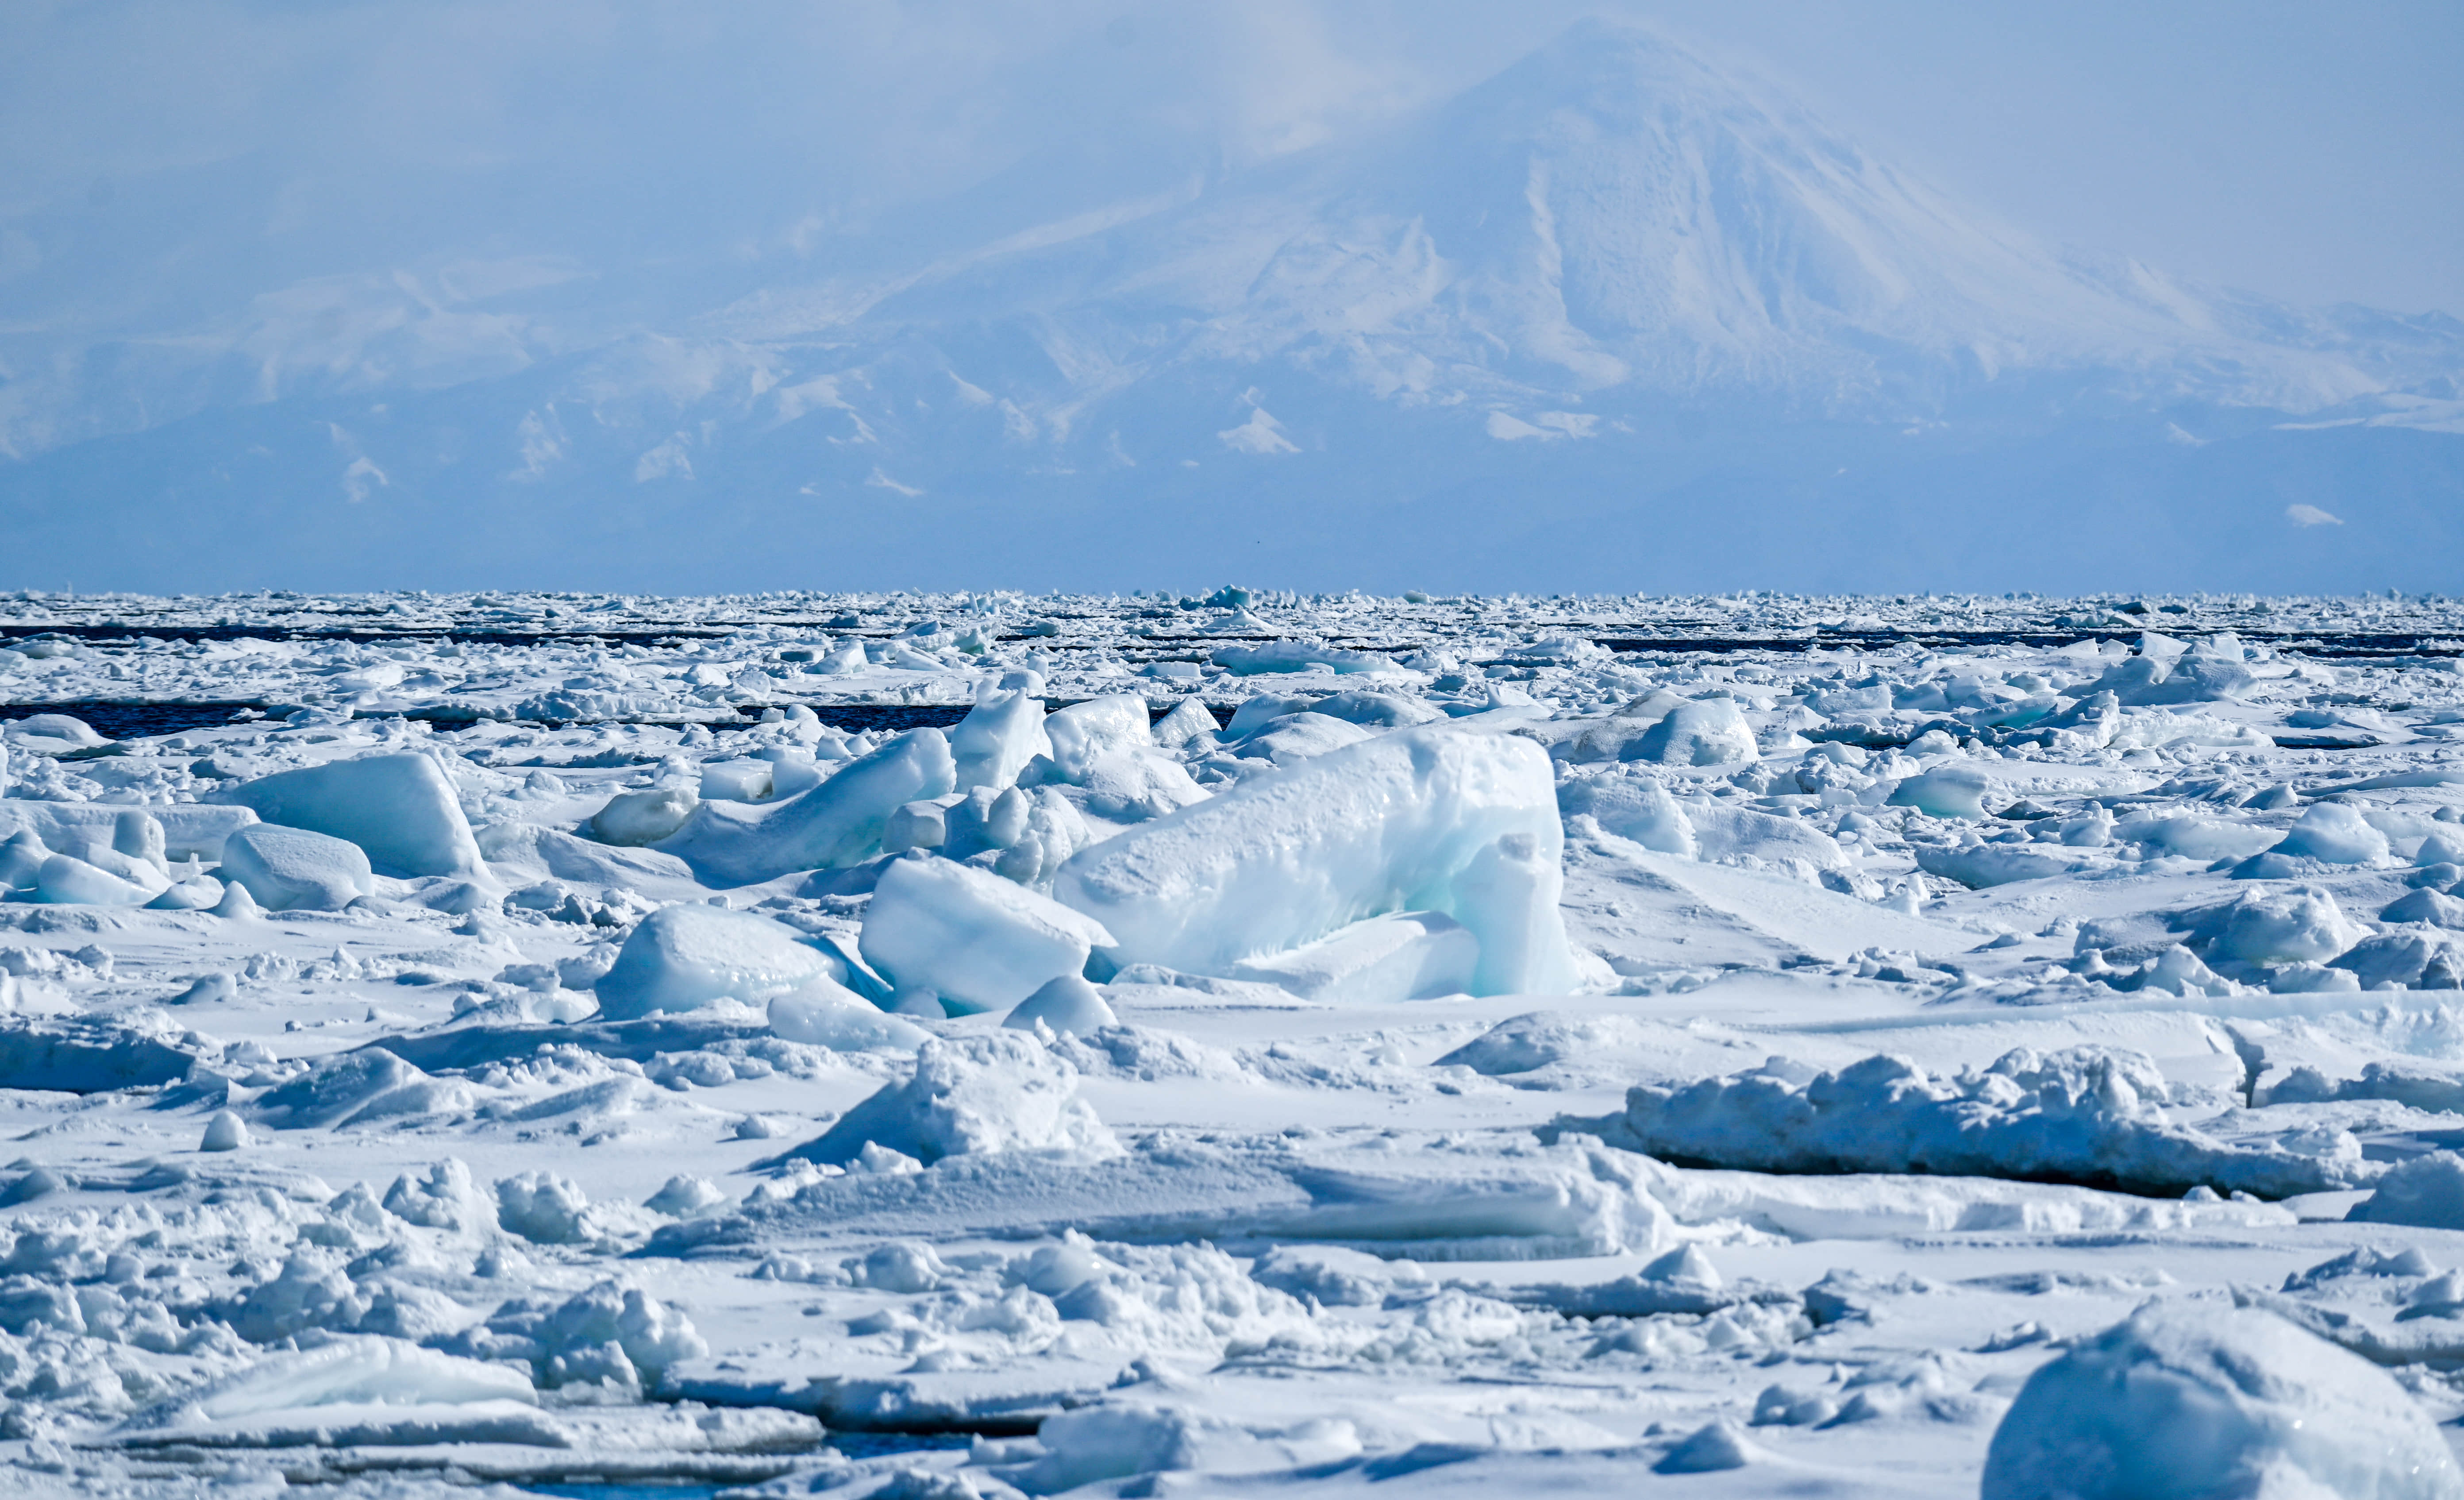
<point x="2304" y="151"/>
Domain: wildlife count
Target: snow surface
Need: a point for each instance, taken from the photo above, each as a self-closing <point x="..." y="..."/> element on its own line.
<point x="973" y="1045"/>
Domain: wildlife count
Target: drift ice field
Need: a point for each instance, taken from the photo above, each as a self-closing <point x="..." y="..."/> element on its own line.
<point x="988" y="1045"/>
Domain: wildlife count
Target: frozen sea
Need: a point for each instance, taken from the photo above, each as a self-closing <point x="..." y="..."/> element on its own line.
<point x="970" y="1044"/>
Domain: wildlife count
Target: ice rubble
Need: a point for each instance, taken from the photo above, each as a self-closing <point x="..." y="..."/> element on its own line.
<point x="1431" y="818"/>
<point x="2087" y="1114"/>
<point x="631" y="819"/>
<point x="190" y="830"/>
<point x="1644" y="811"/>
<point x="837" y="824"/>
<point x="2186" y="1400"/>
<point x="2427" y="1191"/>
<point x="973" y="1095"/>
<point x="544" y="1208"/>
<point x="608" y="1334"/>
<point x="1023" y="836"/>
<point x="1768" y="845"/>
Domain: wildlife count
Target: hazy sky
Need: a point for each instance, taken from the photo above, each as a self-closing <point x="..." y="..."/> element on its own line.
<point x="2305" y="151"/>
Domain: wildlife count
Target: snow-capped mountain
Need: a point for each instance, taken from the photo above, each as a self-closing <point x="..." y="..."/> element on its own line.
<point x="1610" y="215"/>
<point x="1612" y="318"/>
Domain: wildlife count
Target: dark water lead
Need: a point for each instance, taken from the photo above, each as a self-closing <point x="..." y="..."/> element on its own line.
<point x="123" y="720"/>
<point x="143" y="721"/>
<point x="137" y="720"/>
<point x="624" y="1490"/>
<point x="853" y="1445"/>
<point x="116" y="631"/>
<point x="2358" y="644"/>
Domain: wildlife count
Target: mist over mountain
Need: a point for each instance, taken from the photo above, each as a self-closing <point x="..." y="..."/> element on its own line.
<point x="1612" y="320"/>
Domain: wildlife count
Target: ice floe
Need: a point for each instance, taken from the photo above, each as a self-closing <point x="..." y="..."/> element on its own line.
<point x="988" y="1044"/>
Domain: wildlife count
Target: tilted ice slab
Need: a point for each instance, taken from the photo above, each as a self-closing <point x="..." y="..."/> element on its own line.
<point x="398" y="808"/>
<point x="837" y="824"/>
<point x="974" y="940"/>
<point x="1436" y="818"/>
<point x="1889" y="1205"/>
<point x="522" y="853"/>
<point x="1401" y="955"/>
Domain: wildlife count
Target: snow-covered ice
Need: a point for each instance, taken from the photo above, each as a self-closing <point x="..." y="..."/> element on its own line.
<point x="976" y="1045"/>
<point x="2185" y="1399"/>
<point x="686" y="956"/>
